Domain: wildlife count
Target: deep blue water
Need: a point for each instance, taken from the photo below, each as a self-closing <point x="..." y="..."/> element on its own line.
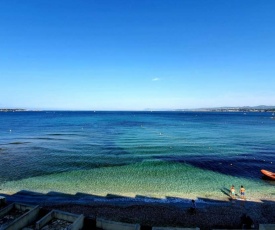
<point x="46" y="143"/>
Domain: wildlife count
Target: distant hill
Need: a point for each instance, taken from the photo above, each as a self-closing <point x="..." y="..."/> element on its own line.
<point x="12" y="110"/>
<point x="259" y="108"/>
<point x="248" y="107"/>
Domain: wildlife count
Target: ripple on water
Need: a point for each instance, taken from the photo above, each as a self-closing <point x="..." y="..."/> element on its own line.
<point x="19" y="142"/>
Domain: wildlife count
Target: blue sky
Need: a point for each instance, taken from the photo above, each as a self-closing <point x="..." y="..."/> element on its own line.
<point x="132" y="55"/>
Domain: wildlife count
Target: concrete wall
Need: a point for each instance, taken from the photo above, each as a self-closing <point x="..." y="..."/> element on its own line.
<point x="112" y="225"/>
<point x="76" y="221"/>
<point x="6" y="210"/>
<point x="21" y="221"/>
<point x="266" y="226"/>
<point x="18" y="206"/>
<point x="24" y="220"/>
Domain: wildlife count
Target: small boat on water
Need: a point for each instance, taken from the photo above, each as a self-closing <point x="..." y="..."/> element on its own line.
<point x="269" y="174"/>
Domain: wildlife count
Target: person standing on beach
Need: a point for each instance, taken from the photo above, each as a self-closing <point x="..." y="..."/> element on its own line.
<point x="232" y="192"/>
<point x="193" y="209"/>
<point x="242" y="191"/>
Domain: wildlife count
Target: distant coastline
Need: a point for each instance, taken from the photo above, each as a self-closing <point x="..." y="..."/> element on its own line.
<point x="261" y="108"/>
<point x="13" y="110"/>
<point x="237" y="109"/>
<point x="18" y="110"/>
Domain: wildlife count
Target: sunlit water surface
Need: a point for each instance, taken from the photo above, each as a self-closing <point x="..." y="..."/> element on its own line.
<point x="155" y="154"/>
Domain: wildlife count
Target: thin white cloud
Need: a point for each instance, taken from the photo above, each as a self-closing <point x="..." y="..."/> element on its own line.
<point x="155" y="79"/>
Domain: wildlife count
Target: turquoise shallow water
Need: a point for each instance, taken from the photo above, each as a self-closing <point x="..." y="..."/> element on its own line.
<point x="156" y="154"/>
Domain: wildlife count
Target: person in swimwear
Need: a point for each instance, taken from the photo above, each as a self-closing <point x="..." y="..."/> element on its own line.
<point x="242" y="191"/>
<point x="232" y="192"/>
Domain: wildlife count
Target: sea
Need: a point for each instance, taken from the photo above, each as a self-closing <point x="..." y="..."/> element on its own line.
<point x="138" y="154"/>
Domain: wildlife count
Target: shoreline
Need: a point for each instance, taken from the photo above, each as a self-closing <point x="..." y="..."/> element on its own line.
<point x="171" y="198"/>
<point x="172" y="212"/>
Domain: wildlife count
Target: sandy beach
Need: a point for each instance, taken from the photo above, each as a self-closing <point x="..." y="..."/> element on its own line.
<point x="210" y="213"/>
<point x="209" y="217"/>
